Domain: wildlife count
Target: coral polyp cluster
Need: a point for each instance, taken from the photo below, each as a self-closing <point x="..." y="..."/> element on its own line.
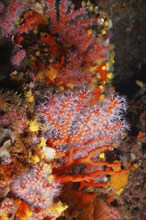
<point x="56" y="131"/>
<point x="70" y="47"/>
<point x="36" y="188"/>
<point x="79" y="129"/>
<point x="73" y="119"/>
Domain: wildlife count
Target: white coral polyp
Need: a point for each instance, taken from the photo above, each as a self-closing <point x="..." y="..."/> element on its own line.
<point x="73" y="121"/>
<point x="35" y="188"/>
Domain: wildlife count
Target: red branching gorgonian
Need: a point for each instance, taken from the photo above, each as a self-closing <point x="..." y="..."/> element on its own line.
<point x="71" y="49"/>
<point x="35" y="187"/>
<point x="81" y="128"/>
<point x="82" y="48"/>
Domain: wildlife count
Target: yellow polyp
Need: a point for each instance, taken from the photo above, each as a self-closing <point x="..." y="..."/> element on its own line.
<point x="91" y="8"/>
<point x="103" y="32"/>
<point x="30" y="98"/>
<point x="61" y="88"/>
<point x="108" y="64"/>
<point x="58" y="208"/>
<point x="102" y="155"/>
<point x="42" y="142"/>
<point x="92" y="86"/>
<point x="28" y="215"/>
<point x="35" y="159"/>
<point x="48" y="169"/>
<point x="83" y="3"/>
<point x="93" y="69"/>
<point x="98" y="76"/>
<point x="32" y="58"/>
<point x="28" y="94"/>
<point x="139" y="83"/>
<point x="106" y="23"/>
<point x="118" y="166"/>
<point x="35" y="30"/>
<point x="120" y="191"/>
<point x="50" y="177"/>
<point x="110" y="75"/>
<point x="112" y="56"/>
<point x="103" y="67"/>
<point x="4" y="216"/>
<point x="46" y="50"/>
<point x="93" y="81"/>
<point x="135" y="165"/>
<point x="37" y="53"/>
<point x="72" y="6"/>
<point x="90" y="31"/>
<point x="33" y="126"/>
<point x="52" y="74"/>
<point x="23" y="212"/>
<point x="39" y="75"/>
<point x="70" y="85"/>
<point x="101" y="87"/>
<point x="102" y="97"/>
<point x="17" y="22"/>
<point x="88" y="3"/>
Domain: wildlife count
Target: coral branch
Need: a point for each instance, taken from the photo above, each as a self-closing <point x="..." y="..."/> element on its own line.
<point x="87" y="176"/>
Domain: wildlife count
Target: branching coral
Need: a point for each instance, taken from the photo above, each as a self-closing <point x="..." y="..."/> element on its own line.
<point x="36" y="187"/>
<point x="69" y="47"/>
<point x="84" y="51"/>
<point x="81" y="129"/>
<point x="72" y="120"/>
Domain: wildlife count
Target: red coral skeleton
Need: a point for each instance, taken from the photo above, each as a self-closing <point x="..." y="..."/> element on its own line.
<point x="61" y="174"/>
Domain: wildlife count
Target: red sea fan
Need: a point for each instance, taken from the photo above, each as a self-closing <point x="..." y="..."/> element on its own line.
<point x="74" y="47"/>
<point x="83" y="48"/>
<point x="81" y="130"/>
<point x="35" y="187"/>
<point x="72" y="120"/>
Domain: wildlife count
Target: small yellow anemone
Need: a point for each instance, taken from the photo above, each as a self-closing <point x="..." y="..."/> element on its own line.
<point x="29" y="97"/>
<point x="52" y="74"/>
<point x="33" y="126"/>
<point x="42" y="142"/>
<point x="58" y="208"/>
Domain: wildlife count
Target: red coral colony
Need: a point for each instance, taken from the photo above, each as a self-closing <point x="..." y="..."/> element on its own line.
<point x="56" y="132"/>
